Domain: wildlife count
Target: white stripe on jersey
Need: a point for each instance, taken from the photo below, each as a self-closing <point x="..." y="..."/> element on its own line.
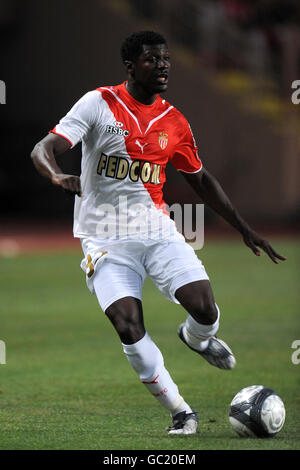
<point x="157" y="118"/>
<point x="124" y="106"/>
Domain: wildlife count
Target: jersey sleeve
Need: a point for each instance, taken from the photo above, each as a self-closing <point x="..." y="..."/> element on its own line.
<point x="75" y="126"/>
<point x="185" y="157"/>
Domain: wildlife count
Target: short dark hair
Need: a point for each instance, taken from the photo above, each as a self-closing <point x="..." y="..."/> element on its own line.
<point x="132" y="47"/>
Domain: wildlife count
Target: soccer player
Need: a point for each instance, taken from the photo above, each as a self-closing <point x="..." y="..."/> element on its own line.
<point x="129" y="134"/>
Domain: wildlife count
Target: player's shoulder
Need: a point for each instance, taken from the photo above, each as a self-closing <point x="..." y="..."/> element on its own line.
<point x="109" y="90"/>
<point x="176" y="114"/>
<point x="175" y="111"/>
<point x="87" y="103"/>
<point x="90" y="97"/>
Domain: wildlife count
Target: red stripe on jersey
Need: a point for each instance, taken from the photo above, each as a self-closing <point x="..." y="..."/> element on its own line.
<point x="53" y="131"/>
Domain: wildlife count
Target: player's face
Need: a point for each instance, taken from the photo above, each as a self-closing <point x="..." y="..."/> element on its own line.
<point x="151" y="70"/>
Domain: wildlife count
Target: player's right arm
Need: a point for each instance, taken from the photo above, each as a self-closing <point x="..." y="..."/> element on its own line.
<point x="44" y="159"/>
<point x="72" y="129"/>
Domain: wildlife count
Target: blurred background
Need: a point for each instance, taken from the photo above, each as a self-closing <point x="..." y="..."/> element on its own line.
<point x="233" y="64"/>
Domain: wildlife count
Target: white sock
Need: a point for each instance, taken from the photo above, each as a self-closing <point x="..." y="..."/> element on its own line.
<point x="197" y="335"/>
<point x="147" y="360"/>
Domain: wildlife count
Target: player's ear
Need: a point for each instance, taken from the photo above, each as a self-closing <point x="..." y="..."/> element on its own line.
<point x="129" y="64"/>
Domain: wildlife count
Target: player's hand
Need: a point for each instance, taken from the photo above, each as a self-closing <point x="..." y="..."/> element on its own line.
<point x="70" y="183"/>
<point x="253" y="241"/>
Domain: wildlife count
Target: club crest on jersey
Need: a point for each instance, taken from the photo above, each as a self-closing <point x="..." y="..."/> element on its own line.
<point x="163" y="140"/>
<point x="117" y="129"/>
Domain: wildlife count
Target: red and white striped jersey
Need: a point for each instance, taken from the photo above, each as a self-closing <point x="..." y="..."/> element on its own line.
<point x="126" y="146"/>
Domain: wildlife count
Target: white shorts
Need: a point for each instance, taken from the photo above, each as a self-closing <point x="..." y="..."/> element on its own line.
<point x="118" y="268"/>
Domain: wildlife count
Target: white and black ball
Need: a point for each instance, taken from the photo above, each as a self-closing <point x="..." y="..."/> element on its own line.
<point x="257" y="411"/>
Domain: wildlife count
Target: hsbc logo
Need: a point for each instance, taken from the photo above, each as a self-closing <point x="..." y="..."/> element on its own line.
<point x="117" y="129"/>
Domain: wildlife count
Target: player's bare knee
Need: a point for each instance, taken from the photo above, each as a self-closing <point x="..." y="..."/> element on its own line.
<point x="129" y="332"/>
<point x="127" y="322"/>
<point x="133" y="334"/>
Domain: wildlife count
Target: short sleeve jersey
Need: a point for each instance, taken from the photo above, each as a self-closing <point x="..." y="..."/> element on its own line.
<point x="126" y="146"/>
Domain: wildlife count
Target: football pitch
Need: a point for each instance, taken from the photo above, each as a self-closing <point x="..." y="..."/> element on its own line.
<point x="67" y="384"/>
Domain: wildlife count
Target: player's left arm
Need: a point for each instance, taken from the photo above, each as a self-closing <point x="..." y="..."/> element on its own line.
<point x="212" y="194"/>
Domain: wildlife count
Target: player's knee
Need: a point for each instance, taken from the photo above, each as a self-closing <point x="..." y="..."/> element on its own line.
<point x="132" y="333"/>
<point x="204" y="312"/>
<point x="127" y="323"/>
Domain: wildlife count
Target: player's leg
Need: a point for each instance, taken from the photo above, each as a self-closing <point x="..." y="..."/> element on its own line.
<point x="146" y="359"/>
<point x="199" y="330"/>
<point x="126" y="315"/>
<point x="181" y="277"/>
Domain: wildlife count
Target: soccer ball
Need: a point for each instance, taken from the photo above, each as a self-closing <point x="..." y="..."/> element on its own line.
<point x="257" y="411"/>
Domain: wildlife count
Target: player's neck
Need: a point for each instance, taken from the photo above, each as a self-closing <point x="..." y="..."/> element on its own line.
<point x="139" y="94"/>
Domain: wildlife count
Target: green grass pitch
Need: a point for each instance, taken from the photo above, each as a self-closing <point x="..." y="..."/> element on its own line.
<point x="66" y="383"/>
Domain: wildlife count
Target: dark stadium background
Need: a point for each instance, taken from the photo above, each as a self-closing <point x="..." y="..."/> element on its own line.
<point x="234" y="62"/>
